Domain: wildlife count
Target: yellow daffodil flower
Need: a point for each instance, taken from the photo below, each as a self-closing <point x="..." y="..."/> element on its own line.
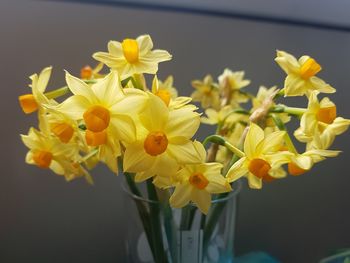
<point x="224" y="117"/>
<point x="196" y="183"/>
<point x="230" y="84"/>
<point x="163" y="140"/>
<point x="321" y="117"/>
<point x="48" y="152"/>
<point x="88" y="73"/>
<point x="302" y="163"/>
<point x="262" y="157"/>
<point x="206" y="92"/>
<point x="34" y="101"/>
<point x="301" y="75"/>
<point x="133" y="56"/>
<point x="106" y="110"/>
<point x="168" y="95"/>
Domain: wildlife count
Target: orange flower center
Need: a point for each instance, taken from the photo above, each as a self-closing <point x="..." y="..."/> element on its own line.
<point x="95" y="138"/>
<point x="155" y="143"/>
<point x="63" y="131"/>
<point x="198" y="180"/>
<point x="164" y="95"/>
<point x="130" y="50"/>
<point x="28" y="103"/>
<point x="310" y="68"/>
<point x="327" y="115"/>
<point x="42" y="159"/>
<point x="86" y="72"/>
<point x="96" y="118"/>
<point x="295" y="170"/>
<point x="260" y="168"/>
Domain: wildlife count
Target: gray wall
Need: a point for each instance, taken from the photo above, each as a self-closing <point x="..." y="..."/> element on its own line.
<point x="44" y="219"/>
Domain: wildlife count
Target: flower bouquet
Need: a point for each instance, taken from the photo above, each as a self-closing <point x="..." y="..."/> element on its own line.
<point x="144" y="131"/>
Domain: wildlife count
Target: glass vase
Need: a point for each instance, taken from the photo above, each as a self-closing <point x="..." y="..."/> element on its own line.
<point x="158" y="233"/>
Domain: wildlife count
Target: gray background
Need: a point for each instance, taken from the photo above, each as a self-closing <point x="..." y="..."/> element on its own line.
<point x="44" y="219"/>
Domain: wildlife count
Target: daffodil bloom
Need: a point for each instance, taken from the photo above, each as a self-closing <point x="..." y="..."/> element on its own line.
<point x="48" y="152"/>
<point x="91" y="73"/>
<point x="301" y="163"/>
<point x="301" y="75"/>
<point x="230" y="84"/>
<point x="320" y="117"/>
<point x="168" y="94"/>
<point x="163" y="140"/>
<point x="196" y="183"/>
<point x="262" y="157"/>
<point x="133" y="56"/>
<point x="33" y="101"/>
<point x="224" y="117"/>
<point x="168" y="85"/>
<point x="106" y="110"/>
<point x="206" y="92"/>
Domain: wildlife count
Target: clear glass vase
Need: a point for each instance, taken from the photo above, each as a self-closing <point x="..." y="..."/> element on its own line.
<point x="158" y="233"/>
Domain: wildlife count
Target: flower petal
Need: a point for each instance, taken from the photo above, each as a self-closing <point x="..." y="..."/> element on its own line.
<point x="254" y="136"/>
<point x="202" y="199"/>
<point x="184" y="153"/>
<point x="182" y="122"/>
<point x="136" y="159"/>
<point x="181" y="196"/>
<point x="237" y="170"/>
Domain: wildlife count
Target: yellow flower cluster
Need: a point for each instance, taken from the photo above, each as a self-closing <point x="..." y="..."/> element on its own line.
<point x="114" y="118"/>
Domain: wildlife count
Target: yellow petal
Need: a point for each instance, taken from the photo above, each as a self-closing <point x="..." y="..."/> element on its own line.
<point x="145" y="43"/>
<point x="74" y="107"/>
<point x="43" y="79"/>
<point x="254" y="136"/>
<point x="182" y="122"/>
<point x="184" y="153"/>
<point x="79" y="87"/>
<point x="202" y="199"/>
<point x="237" y="170"/>
<point x="136" y="159"/>
<point x="124" y="127"/>
<point x="254" y="182"/>
<point x="108" y="89"/>
<point x="181" y="196"/>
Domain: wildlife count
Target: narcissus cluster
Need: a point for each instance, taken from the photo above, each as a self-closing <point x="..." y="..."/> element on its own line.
<point x="147" y="131"/>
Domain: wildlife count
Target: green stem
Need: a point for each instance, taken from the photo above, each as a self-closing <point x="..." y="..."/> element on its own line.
<point x="142" y="210"/>
<point x="170" y="231"/>
<point x="279" y="123"/>
<point x="223" y="142"/>
<point x="187" y="216"/>
<point x="57" y="92"/>
<point x="290" y="110"/>
<point x="155" y="223"/>
<point x="212" y="220"/>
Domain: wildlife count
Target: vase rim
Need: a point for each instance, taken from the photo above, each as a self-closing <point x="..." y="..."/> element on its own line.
<point x="236" y="190"/>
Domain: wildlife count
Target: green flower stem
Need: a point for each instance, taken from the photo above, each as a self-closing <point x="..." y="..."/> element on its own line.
<point x="57" y="92"/>
<point x="187" y="215"/>
<point x="64" y="90"/>
<point x="290" y="110"/>
<point x="142" y="210"/>
<point x="156" y="229"/>
<point x="170" y="231"/>
<point x="222" y="141"/>
<point x="212" y="219"/>
<point x="279" y="123"/>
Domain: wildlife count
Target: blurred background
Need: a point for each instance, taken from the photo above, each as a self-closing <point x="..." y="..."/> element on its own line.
<point x="45" y="219"/>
